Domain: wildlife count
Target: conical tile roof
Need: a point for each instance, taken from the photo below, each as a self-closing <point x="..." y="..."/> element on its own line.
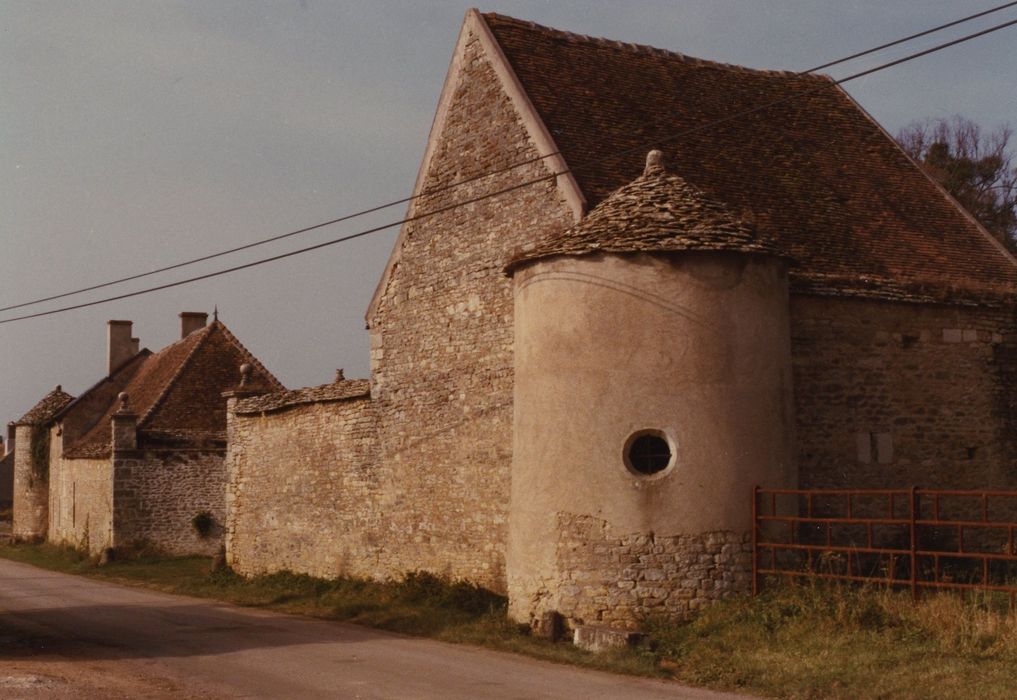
<point x="656" y="212"/>
<point x="48" y="406"/>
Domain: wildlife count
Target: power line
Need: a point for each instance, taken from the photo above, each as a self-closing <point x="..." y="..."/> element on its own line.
<point x="475" y="178"/>
<point x="512" y="188"/>
<point x="272" y="239"/>
<point x="290" y="254"/>
<point x="906" y="39"/>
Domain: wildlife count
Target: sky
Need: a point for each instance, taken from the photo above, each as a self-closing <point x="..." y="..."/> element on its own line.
<point x="138" y="135"/>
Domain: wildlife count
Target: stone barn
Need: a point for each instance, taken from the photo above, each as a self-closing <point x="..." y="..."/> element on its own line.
<point x="576" y="383"/>
<point x="137" y="459"/>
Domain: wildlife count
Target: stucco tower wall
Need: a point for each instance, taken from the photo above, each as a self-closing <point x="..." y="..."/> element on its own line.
<point x="31" y="483"/>
<point x="695" y="345"/>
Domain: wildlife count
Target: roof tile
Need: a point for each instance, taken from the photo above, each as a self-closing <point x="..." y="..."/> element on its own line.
<point x="177" y="392"/>
<point x="815" y="171"/>
<point x="656" y="212"/>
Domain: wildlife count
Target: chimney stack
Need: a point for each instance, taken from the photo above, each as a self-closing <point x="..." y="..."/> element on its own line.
<point x="135" y="346"/>
<point x="119" y="346"/>
<point x="191" y="321"/>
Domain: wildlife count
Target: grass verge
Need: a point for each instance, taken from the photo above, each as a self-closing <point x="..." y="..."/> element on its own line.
<point x="795" y="642"/>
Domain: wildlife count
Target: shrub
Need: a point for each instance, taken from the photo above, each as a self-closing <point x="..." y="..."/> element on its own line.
<point x="203" y="523"/>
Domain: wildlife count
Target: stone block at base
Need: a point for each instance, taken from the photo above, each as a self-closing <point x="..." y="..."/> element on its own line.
<point x="597" y="638"/>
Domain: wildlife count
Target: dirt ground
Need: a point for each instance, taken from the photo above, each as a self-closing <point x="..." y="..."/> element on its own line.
<point x="44" y="669"/>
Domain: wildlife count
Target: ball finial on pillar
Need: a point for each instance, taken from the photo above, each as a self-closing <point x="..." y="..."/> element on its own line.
<point x="245" y="374"/>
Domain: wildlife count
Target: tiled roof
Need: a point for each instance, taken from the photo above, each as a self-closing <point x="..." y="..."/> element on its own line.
<point x="816" y="173"/>
<point x="656" y="212"/>
<point x="339" y="391"/>
<point x="177" y="392"/>
<point x="48" y="406"/>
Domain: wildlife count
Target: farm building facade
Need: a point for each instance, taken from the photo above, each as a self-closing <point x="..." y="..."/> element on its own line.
<point x="576" y="382"/>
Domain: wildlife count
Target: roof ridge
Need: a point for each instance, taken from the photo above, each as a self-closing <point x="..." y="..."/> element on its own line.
<point x="645" y="48"/>
<point x="250" y="356"/>
<point x="205" y="332"/>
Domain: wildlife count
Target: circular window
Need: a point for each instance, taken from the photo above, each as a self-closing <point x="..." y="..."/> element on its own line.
<point x="648" y="452"/>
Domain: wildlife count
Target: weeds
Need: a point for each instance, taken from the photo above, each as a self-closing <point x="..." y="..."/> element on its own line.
<point x="818" y="641"/>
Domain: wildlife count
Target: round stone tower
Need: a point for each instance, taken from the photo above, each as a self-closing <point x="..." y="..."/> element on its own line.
<point x="652" y="392"/>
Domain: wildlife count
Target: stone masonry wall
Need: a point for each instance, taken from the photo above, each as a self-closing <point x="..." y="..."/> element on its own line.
<point x="894" y="395"/>
<point x="81" y="503"/>
<point x="302" y="493"/>
<point x="157" y="493"/>
<point x="616" y="580"/>
<point x="442" y="341"/>
<point x="6" y="482"/>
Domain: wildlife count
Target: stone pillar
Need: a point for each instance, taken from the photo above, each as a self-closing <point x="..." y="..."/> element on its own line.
<point x="125" y="426"/>
<point x="234" y="455"/>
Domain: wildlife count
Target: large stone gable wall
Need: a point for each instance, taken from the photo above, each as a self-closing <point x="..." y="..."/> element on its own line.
<point x="302" y="494"/>
<point x="925" y="393"/>
<point x="157" y="493"/>
<point x="442" y="338"/>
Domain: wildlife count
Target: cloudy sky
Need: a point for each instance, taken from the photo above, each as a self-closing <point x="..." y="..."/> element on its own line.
<point x="138" y="134"/>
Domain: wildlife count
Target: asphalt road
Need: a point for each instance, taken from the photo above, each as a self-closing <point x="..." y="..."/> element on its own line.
<point x="66" y="636"/>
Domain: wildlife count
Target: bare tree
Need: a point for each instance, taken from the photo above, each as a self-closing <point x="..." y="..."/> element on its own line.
<point x="975" y="167"/>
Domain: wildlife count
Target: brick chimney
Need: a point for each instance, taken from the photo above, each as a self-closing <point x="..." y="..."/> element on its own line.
<point x="119" y="347"/>
<point x="191" y="321"/>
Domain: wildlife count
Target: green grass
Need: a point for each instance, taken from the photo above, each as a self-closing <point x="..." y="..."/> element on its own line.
<point x="795" y="642"/>
<point x="839" y="642"/>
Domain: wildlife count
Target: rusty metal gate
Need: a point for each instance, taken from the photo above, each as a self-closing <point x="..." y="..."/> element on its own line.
<point x="916" y="538"/>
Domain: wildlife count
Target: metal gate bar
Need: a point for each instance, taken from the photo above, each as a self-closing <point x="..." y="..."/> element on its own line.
<point x="781" y="535"/>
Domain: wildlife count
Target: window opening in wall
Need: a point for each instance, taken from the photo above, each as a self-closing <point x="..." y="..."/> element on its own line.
<point x="908" y="341"/>
<point x="874" y="447"/>
<point x="648" y="452"/>
<point x="972" y="452"/>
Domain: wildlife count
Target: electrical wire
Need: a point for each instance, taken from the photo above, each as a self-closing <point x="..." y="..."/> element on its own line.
<point x="912" y="37"/>
<point x="468" y="180"/>
<point x="512" y="188"/>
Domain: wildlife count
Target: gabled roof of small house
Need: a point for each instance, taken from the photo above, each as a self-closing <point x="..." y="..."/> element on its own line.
<point x="177" y="392"/>
<point x="816" y="172"/>
<point x="47" y="407"/>
<point x="656" y="212"/>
